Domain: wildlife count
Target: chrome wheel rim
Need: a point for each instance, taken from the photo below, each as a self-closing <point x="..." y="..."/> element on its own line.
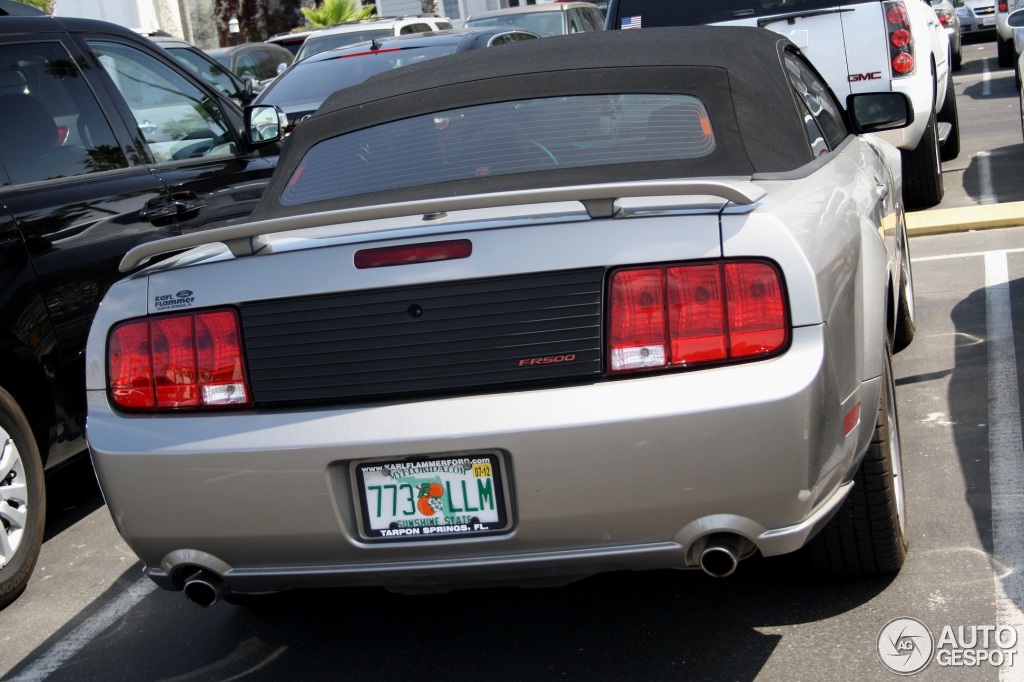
<point x="13" y="498"/>
<point x="895" y="453"/>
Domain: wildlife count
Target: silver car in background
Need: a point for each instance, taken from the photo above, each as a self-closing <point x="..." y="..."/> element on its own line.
<point x="618" y="300"/>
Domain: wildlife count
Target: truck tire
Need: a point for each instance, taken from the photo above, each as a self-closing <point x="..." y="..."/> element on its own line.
<point x="867" y="536"/>
<point x="1005" y="51"/>
<point x="948" y="114"/>
<point x="922" y="171"/>
<point x="22" y="500"/>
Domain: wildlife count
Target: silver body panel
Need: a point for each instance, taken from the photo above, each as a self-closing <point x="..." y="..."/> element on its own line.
<point x="626" y="473"/>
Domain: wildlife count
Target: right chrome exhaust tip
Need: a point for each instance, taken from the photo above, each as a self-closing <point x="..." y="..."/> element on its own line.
<point x="721" y="554"/>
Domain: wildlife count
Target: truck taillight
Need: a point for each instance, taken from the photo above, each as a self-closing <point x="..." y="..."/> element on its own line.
<point x="693" y="314"/>
<point x="1003" y="6"/>
<point x="190" y="361"/>
<point x="901" y="40"/>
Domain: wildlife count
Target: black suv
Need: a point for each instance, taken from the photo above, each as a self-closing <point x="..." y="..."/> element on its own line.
<point x="107" y="141"/>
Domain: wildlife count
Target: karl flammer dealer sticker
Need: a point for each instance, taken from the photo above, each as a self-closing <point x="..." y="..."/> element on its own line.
<point x="182" y="299"/>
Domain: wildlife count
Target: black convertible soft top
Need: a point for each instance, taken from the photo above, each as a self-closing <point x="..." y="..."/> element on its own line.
<point x="737" y="72"/>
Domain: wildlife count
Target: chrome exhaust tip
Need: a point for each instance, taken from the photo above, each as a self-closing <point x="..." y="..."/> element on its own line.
<point x="205" y="589"/>
<point x="721" y="554"/>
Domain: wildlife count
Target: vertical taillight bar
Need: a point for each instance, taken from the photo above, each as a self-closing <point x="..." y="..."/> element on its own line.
<point x="901" y="40"/>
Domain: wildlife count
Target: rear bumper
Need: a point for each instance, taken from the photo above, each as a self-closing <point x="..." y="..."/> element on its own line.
<point x="620" y="474"/>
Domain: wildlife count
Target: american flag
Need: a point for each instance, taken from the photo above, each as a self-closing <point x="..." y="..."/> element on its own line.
<point x="630" y="22"/>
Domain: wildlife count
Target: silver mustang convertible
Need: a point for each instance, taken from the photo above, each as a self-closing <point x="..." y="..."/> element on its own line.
<point x="620" y="300"/>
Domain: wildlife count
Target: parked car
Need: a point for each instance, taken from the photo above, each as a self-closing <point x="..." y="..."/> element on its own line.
<point x="552" y="19"/>
<point x="304" y="86"/>
<point x="209" y="69"/>
<point x="977" y="17"/>
<point x="109" y="142"/>
<point x="353" y="32"/>
<point x="605" y="301"/>
<point x="261" y="62"/>
<point x="862" y="46"/>
<point x="290" y="41"/>
<point x="1016" y="22"/>
<point x="946" y="11"/>
<point x="1005" y="53"/>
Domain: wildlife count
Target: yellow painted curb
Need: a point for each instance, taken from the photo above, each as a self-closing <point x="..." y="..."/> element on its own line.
<point x="941" y="221"/>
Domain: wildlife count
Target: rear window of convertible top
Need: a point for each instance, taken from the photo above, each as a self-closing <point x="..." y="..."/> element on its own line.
<point x="498" y="139"/>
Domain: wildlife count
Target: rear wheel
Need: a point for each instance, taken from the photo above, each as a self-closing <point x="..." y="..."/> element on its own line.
<point x="948" y="114"/>
<point x="867" y="536"/>
<point x="906" y="317"/>
<point x="1005" y="52"/>
<point x="22" y="500"/>
<point x="922" y="171"/>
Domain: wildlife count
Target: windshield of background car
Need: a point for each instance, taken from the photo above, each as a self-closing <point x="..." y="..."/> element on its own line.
<point x="503" y="138"/>
<point x="317" y="44"/>
<point x="313" y="81"/>
<point x="208" y="70"/>
<point x="647" y="14"/>
<point x="541" y="23"/>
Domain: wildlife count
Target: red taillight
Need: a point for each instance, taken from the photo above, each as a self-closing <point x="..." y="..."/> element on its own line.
<point x="896" y="13"/>
<point x="62" y="135"/>
<point x="189" y="361"/>
<point x="682" y="315"/>
<point x="1003" y="6"/>
<point x="901" y="40"/>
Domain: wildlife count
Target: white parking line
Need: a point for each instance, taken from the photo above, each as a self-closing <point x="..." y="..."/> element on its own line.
<point x="62" y="651"/>
<point x="986" y="79"/>
<point x="1006" y="453"/>
<point x="988" y="195"/>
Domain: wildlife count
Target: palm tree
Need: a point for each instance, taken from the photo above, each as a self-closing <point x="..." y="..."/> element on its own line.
<point x="45" y="5"/>
<point x="337" y="12"/>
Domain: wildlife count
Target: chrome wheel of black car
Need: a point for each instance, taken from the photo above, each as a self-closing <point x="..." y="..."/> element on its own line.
<point x="22" y="500"/>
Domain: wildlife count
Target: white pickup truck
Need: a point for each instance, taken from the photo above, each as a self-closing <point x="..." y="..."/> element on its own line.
<point x="865" y="46"/>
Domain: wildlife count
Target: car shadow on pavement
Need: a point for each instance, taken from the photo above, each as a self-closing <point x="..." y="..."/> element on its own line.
<point x="997" y="177"/>
<point x="657" y="625"/>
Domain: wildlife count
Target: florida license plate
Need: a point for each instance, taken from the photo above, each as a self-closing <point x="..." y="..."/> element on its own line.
<point x="432" y="497"/>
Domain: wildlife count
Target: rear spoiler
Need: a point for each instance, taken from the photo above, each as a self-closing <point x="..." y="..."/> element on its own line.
<point x="599" y="201"/>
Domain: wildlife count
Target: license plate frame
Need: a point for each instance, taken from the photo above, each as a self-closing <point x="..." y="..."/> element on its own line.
<point x="474" y="497"/>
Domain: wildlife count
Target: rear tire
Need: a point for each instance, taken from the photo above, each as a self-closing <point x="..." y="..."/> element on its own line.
<point x="948" y="114"/>
<point x="906" y="316"/>
<point x="22" y="500"/>
<point x="867" y="536"/>
<point x="1005" y="52"/>
<point x="922" y="171"/>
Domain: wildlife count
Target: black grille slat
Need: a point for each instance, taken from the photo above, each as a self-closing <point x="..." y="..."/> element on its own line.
<point x="470" y="335"/>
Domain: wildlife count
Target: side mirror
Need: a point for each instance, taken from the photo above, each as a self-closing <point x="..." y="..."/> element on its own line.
<point x="265" y="123"/>
<point x="1016" y="19"/>
<point x="872" y="112"/>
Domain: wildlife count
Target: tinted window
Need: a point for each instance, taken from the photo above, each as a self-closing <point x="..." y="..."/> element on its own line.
<point x="211" y="72"/>
<point x="312" y="81"/>
<point x="53" y="125"/>
<point x="503" y="138"/>
<point x="177" y="120"/>
<point x="316" y="44"/>
<point x="817" y="98"/>
<point x="694" y="13"/>
<point x="246" y="66"/>
<point x="541" y="23"/>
